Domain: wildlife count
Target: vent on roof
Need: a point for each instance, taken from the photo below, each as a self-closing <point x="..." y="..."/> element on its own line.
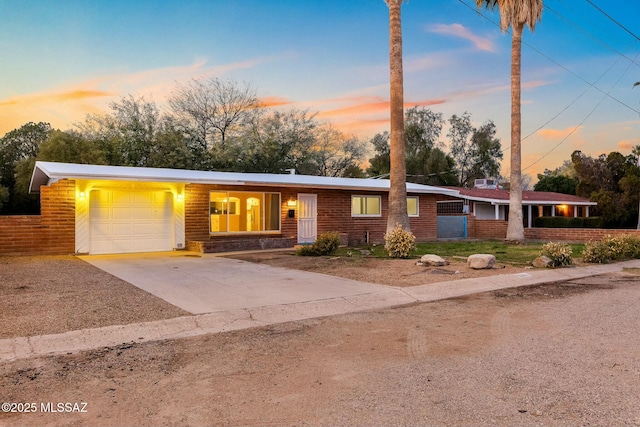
<point x="485" y="183"/>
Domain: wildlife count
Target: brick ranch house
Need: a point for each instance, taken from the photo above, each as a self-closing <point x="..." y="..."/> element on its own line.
<point x="114" y="209"/>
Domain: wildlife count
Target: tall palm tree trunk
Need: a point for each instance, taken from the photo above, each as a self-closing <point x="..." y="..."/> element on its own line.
<point x="398" y="174"/>
<point x="515" y="228"/>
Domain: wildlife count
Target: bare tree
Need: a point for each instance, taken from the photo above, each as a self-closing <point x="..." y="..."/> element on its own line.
<point x="210" y="109"/>
<point x="398" y="173"/>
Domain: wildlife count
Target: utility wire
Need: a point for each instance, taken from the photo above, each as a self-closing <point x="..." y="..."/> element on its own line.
<point x="554" y="61"/>
<point x="612" y="19"/>
<point x="580" y="124"/>
<point x="585" y="31"/>
<point x="576" y="99"/>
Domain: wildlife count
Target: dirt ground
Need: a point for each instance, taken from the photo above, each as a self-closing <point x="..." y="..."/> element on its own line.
<point x="557" y="354"/>
<point x="53" y="294"/>
<point x="393" y="272"/>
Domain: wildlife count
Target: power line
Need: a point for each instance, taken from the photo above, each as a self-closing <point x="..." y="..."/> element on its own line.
<point x="576" y="99"/>
<point x="581" y="28"/>
<point x="555" y="62"/>
<point x="590" y="85"/>
<point x="612" y="19"/>
<point x="580" y="124"/>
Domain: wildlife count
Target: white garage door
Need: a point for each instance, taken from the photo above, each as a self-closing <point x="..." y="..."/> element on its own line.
<point x="124" y="221"/>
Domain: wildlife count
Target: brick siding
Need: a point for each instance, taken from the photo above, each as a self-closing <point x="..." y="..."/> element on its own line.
<point x="334" y="214"/>
<point x="50" y="233"/>
<point x="497" y="229"/>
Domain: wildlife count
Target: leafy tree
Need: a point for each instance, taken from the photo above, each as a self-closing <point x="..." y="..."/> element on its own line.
<point x="515" y="14"/>
<point x="170" y="149"/>
<point x="426" y="162"/>
<point x="460" y="146"/>
<point x="71" y="147"/>
<point x="277" y="142"/>
<point x="4" y="196"/>
<point x="477" y="152"/>
<point x="15" y="146"/>
<point x="486" y="152"/>
<point x="126" y="133"/>
<point x="380" y="164"/>
<point x="610" y="180"/>
<point x="556" y="183"/>
<point x="440" y="168"/>
<point x="398" y="174"/>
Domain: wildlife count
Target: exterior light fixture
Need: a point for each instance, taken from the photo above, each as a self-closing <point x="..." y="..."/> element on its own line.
<point x="81" y="195"/>
<point x="180" y="197"/>
<point x="292" y="203"/>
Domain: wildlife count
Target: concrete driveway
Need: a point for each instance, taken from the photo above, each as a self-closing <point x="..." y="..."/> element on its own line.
<point x="209" y="283"/>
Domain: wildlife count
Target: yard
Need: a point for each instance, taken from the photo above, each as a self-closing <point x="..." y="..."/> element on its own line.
<point x="556" y="354"/>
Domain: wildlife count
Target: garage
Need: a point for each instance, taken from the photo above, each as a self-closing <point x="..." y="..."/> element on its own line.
<point x="122" y="221"/>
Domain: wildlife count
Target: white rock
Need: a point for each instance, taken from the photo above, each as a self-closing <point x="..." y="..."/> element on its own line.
<point x="481" y="261"/>
<point x="432" y="260"/>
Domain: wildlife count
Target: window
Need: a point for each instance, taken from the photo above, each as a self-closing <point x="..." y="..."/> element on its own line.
<point x="243" y="212"/>
<point x="444" y="208"/>
<point x="365" y="206"/>
<point x="412" y="206"/>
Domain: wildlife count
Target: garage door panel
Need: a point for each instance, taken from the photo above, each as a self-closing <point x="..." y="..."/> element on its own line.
<point x="121" y="213"/>
<point x="130" y="221"/>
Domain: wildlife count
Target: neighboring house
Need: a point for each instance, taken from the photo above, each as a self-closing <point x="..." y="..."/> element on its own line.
<point x="488" y="203"/>
<point x="116" y="209"/>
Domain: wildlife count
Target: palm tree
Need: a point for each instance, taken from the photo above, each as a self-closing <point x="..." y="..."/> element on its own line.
<point x="398" y="173"/>
<point x="515" y="14"/>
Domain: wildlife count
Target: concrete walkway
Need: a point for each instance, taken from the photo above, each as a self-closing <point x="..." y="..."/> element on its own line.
<point x="375" y="297"/>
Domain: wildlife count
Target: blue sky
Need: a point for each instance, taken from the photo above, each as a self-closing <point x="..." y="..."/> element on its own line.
<point x="61" y="60"/>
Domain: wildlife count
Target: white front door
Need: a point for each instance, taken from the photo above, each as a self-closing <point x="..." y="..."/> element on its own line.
<point x="307" y="218"/>
<point x="122" y="221"/>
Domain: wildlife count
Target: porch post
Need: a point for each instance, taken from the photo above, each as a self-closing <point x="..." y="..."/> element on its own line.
<point x="553" y="210"/>
<point x="575" y="211"/>
<point x="587" y="213"/>
<point x="528" y="216"/>
<point x="497" y="211"/>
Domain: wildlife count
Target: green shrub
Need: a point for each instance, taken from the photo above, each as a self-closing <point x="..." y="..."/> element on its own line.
<point x="325" y="244"/>
<point x="567" y="222"/>
<point x="592" y="222"/>
<point x="399" y="242"/>
<point x="612" y="247"/>
<point x="558" y="253"/>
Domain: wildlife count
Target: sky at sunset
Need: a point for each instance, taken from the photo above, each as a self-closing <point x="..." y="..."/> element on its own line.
<point x="63" y="59"/>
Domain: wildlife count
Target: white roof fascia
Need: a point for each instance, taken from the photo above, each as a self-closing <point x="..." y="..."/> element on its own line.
<point x="45" y="171"/>
<point x="528" y="202"/>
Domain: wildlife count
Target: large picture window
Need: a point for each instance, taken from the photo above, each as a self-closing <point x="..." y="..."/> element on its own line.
<point x="366" y="206"/>
<point x="244" y="212"/>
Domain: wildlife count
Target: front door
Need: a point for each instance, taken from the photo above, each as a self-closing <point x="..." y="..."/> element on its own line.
<point x="307" y="218"/>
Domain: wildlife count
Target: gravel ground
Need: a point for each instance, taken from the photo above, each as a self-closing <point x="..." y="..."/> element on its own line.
<point x="46" y="295"/>
<point x="565" y="354"/>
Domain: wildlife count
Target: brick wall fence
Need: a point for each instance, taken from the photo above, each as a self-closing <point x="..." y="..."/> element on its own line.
<point x="50" y="233"/>
<point x="497" y="229"/>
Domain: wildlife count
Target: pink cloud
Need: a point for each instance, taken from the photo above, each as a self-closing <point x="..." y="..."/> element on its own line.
<point x="557" y="134"/>
<point x="460" y="31"/>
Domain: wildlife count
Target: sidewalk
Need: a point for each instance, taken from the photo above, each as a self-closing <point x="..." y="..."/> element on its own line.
<point x="230" y="320"/>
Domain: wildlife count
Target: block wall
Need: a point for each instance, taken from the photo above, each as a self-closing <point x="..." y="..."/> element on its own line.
<point x="50" y="233"/>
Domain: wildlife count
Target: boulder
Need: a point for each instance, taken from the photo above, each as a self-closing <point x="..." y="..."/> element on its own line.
<point x="542" y="262"/>
<point x="481" y="261"/>
<point x="433" y="260"/>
